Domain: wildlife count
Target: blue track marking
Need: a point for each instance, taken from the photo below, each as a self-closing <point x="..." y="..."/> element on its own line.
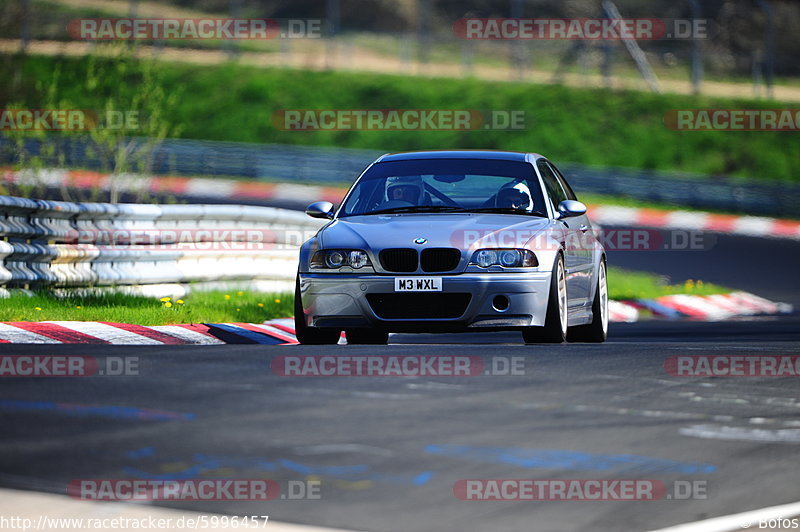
<point x="237" y="335"/>
<point x="558" y="459"/>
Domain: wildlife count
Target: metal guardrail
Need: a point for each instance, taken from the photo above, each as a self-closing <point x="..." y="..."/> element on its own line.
<point x="211" y="158"/>
<point x="756" y="198"/>
<point x="52" y="244"/>
<point x="340" y="166"/>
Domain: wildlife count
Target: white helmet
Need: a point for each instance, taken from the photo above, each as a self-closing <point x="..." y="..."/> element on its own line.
<point x="515" y="195"/>
<point x="406" y="188"/>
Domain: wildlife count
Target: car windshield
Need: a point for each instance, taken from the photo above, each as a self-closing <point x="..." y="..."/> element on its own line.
<point x="446" y="185"/>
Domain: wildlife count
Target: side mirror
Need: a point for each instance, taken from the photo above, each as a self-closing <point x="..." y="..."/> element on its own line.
<point x="320" y="209"/>
<point x="570" y="208"/>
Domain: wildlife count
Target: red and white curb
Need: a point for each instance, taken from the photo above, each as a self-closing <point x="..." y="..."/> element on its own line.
<point x="94" y="332"/>
<point x="281" y="331"/>
<point x="695" y="221"/>
<point x="233" y="189"/>
<point x="619" y="311"/>
<point x="706" y="308"/>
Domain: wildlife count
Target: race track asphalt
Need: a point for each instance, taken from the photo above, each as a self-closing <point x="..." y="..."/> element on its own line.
<point x="388" y="450"/>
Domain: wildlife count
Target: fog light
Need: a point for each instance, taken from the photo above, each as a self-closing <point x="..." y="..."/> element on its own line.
<point x="500" y="303"/>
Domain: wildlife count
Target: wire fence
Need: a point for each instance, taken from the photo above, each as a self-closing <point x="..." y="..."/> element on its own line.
<point x="738" y="40"/>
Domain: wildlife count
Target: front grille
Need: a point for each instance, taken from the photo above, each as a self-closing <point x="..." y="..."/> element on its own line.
<point x="419" y="306"/>
<point x="399" y="260"/>
<point x="440" y="259"/>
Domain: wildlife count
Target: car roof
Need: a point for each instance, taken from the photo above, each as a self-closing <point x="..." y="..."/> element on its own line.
<point x="496" y="155"/>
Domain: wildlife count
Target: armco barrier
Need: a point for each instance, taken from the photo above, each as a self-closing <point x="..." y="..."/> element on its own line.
<point x="49" y="244"/>
<point x="340" y="166"/>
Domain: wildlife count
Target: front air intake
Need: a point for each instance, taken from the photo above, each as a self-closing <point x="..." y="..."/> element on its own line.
<point x="440" y="259"/>
<point x="399" y="260"/>
<point x="419" y="305"/>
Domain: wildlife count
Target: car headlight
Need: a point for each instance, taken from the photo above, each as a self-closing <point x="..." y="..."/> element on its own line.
<point x="333" y="259"/>
<point x="357" y="259"/>
<point x="485" y="258"/>
<point x="508" y="258"/>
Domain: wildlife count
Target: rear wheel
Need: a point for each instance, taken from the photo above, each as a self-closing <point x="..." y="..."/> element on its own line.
<point x="597" y="330"/>
<point x="555" y="323"/>
<point x="304" y="333"/>
<point x="366" y="336"/>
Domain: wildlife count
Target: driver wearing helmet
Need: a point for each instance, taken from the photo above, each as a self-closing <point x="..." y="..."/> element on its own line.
<point x="514" y="195"/>
<point x="405" y="188"/>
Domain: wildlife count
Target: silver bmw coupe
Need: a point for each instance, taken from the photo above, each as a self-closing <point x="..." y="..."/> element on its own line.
<point x="453" y="241"/>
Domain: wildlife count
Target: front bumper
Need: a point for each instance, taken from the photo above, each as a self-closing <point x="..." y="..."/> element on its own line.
<point x="342" y="301"/>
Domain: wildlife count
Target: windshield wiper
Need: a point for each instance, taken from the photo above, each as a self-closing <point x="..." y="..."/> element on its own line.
<point x="505" y="210"/>
<point x="418" y="208"/>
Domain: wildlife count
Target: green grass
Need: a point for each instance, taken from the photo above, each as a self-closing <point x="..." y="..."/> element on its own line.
<point x="197" y="307"/>
<point x="626" y="284"/>
<point x="590" y="126"/>
<point x="236" y="306"/>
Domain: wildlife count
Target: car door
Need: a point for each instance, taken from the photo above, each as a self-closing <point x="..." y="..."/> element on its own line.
<point x="586" y="237"/>
<point x="576" y="255"/>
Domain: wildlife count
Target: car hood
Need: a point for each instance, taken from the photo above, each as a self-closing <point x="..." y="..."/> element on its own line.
<point x="463" y="231"/>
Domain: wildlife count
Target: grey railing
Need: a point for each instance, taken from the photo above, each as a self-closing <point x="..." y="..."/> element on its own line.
<point x="340" y="166"/>
<point x="52" y="244"/>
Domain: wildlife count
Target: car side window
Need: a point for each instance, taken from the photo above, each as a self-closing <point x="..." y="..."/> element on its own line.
<point x="365" y="197"/>
<point x="567" y="189"/>
<point x="554" y="189"/>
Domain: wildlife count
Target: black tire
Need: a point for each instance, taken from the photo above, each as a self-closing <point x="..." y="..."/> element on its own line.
<point x="597" y="330"/>
<point x="366" y="336"/>
<point x="555" y="326"/>
<point x="310" y="335"/>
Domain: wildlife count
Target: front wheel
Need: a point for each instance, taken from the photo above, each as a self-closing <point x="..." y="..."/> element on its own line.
<point x="555" y="323"/>
<point x="304" y="333"/>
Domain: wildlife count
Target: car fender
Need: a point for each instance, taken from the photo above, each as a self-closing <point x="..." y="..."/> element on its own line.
<point x="307" y="251"/>
<point x="547" y="245"/>
<point x="600" y="257"/>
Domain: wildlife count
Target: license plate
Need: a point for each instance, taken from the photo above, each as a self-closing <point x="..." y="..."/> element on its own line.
<point x="417" y="284"/>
